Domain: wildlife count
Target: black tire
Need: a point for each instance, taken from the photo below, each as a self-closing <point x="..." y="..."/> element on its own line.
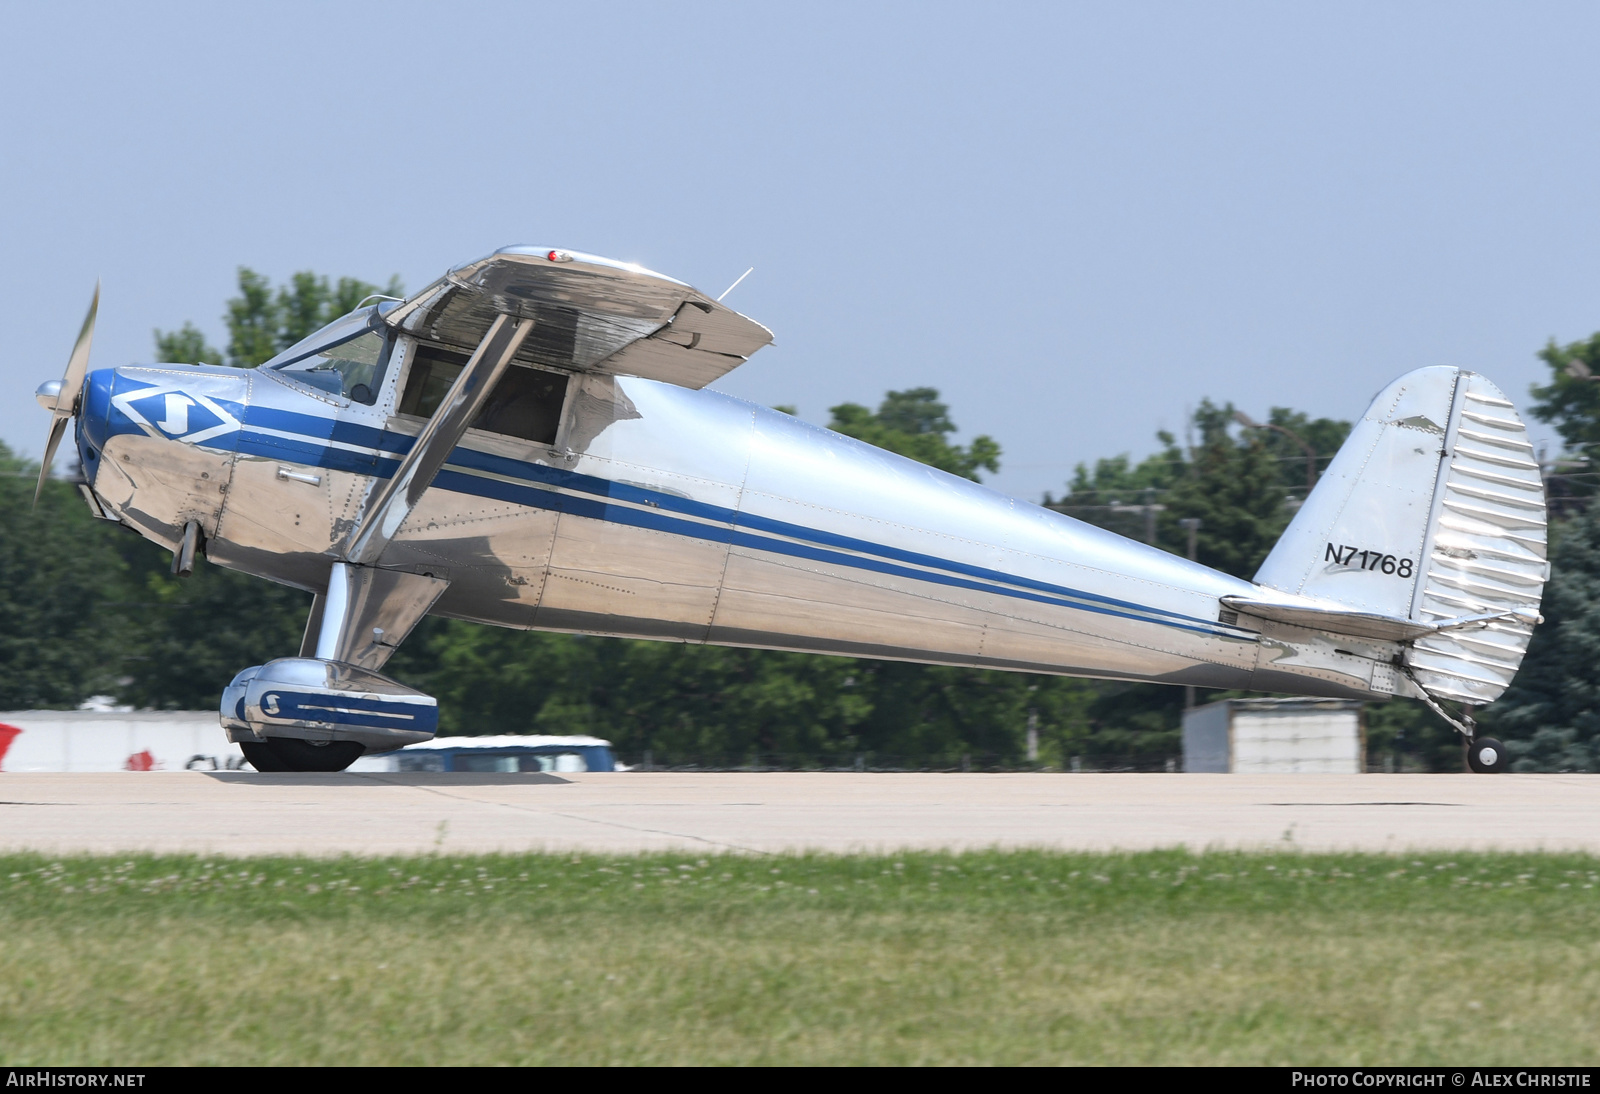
<point x="1486" y="756"/>
<point x="261" y="757"/>
<point x="293" y="754"/>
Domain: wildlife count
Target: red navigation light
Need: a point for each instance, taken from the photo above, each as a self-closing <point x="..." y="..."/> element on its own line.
<point x="559" y="256"/>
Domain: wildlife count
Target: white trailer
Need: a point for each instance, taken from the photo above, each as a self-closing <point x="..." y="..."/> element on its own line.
<point x="1276" y="736"/>
<point x="94" y="740"/>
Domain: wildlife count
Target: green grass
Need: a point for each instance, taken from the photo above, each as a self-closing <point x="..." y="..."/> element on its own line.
<point x="919" y="958"/>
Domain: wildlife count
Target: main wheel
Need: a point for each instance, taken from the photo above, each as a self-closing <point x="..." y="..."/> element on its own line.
<point x="292" y="754"/>
<point x="1486" y="756"/>
<point x="261" y="756"/>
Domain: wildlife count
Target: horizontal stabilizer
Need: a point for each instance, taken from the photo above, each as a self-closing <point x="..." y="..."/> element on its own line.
<point x="1358" y="624"/>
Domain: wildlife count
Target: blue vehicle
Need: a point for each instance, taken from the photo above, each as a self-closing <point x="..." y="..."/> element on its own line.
<point x="507" y="752"/>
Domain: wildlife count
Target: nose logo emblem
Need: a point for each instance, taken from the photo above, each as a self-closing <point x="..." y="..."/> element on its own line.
<point x="177" y="420"/>
<point x="176" y="415"/>
<point x="269" y="703"/>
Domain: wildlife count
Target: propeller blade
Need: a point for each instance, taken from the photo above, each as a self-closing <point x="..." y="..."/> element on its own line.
<point x="57" y="427"/>
<point x="66" y="401"/>
<point x="78" y="363"/>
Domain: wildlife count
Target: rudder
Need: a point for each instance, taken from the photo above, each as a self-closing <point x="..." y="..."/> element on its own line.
<point x="1433" y="511"/>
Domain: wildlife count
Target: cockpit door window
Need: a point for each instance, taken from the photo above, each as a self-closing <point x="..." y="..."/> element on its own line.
<point x="526" y="403"/>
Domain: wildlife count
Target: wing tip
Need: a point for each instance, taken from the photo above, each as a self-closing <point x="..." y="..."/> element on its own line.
<point x="551" y="256"/>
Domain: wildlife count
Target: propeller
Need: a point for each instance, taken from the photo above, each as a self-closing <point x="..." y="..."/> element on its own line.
<point x="60" y="397"/>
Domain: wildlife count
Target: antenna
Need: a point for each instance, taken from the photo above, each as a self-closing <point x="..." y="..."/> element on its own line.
<point x="735" y="285"/>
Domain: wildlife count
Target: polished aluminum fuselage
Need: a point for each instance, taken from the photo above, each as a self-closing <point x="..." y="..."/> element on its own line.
<point x="668" y="513"/>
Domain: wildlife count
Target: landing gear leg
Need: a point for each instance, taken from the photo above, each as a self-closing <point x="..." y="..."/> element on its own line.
<point x="1485" y="755"/>
<point x="334" y="689"/>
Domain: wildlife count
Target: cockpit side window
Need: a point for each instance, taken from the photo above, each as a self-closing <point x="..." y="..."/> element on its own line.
<point x="347" y="357"/>
<point x="526" y="403"/>
<point x="350" y="368"/>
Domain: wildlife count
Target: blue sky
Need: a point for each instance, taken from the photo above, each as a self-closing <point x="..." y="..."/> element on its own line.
<point x="1074" y="220"/>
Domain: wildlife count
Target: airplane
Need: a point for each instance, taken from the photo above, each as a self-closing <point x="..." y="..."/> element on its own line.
<point x="530" y="442"/>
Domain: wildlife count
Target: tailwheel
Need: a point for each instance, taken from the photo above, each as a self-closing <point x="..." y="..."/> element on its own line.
<point x="1486" y="756"/>
<point x="278" y="754"/>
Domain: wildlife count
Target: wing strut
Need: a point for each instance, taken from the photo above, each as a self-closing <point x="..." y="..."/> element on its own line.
<point x="392" y="501"/>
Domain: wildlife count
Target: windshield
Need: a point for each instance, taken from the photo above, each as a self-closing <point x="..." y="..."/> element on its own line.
<point x="349" y="369"/>
<point x="346" y="357"/>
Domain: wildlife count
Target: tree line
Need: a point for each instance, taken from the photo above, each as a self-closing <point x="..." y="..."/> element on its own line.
<point x="88" y="608"/>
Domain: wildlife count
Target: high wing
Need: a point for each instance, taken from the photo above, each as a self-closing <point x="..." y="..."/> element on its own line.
<point x="590" y="314"/>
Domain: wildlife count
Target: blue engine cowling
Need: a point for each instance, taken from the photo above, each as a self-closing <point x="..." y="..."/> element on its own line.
<point x="317" y="700"/>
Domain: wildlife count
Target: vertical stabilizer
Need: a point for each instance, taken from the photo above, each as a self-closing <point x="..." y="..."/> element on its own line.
<point x="1433" y="511"/>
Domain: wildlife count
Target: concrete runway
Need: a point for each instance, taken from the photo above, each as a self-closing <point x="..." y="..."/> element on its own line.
<point x="372" y="814"/>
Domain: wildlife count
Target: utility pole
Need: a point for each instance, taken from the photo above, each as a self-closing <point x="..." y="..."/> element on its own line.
<point x="1192" y="526"/>
<point x="1148" y="510"/>
<point x="1561" y="468"/>
<point x="1033" y="736"/>
<point x="1311" y="453"/>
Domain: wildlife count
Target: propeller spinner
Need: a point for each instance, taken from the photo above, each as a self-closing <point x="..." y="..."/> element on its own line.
<point x="60" y="397"/>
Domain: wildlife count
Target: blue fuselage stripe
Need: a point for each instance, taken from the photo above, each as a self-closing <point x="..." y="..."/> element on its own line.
<point x="588" y="484"/>
<point x="596" y="509"/>
<point x="318" y="441"/>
